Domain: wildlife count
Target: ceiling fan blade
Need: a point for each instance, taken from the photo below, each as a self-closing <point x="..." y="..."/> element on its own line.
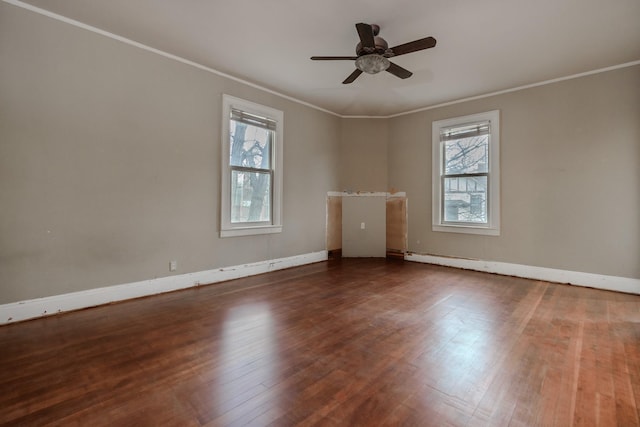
<point x="414" y="46"/>
<point x="352" y="77"/>
<point x="398" y="71"/>
<point x="333" y="58"/>
<point x="365" y="31"/>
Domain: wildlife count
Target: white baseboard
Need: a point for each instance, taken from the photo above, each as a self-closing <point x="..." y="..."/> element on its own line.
<point x="599" y="281"/>
<point x="29" y="309"/>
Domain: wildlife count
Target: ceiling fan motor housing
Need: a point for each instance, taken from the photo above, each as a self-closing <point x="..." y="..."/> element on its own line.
<point x="381" y="47"/>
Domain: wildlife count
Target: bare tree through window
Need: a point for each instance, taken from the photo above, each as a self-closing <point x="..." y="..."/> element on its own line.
<point x="466" y="167"/>
<point x="250" y="161"/>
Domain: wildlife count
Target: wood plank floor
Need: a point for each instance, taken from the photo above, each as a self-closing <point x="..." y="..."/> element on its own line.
<point x="355" y="342"/>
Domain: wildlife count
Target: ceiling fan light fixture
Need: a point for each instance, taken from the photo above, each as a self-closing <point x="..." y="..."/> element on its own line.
<point x="372" y="63"/>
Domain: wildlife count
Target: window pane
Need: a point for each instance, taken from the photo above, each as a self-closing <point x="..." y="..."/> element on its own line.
<point x="465" y="199"/>
<point x="250" y="196"/>
<point x="250" y="145"/>
<point x="466" y="155"/>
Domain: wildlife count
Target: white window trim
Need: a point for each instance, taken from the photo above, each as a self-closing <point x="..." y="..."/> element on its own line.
<point x="227" y="228"/>
<point x="492" y="228"/>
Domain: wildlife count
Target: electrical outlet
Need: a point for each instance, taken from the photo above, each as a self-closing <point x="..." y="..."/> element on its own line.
<point x="173" y="265"/>
<point x="362" y="226"/>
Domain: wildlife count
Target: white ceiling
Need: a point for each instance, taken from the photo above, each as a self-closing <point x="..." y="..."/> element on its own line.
<point x="483" y="46"/>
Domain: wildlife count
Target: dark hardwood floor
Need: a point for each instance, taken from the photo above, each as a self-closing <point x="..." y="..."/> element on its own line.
<point x="356" y="342"/>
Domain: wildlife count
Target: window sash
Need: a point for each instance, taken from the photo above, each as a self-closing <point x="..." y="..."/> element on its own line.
<point x="455" y="133"/>
<point x="251" y="120"/>
<point x="271" y="137"/>
<point x="233" y="169"/>
<point x="232" y="206"/>
<point x="487" y="198"/>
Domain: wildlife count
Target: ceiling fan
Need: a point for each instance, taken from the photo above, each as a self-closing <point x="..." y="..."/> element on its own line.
<point x="373" y="53"/>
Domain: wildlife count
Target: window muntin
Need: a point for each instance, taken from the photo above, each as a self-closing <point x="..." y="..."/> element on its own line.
<point x="251" y="196"/>
<point x="466" y="174"/>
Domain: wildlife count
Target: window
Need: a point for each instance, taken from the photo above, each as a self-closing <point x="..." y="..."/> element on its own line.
<point x="466" y="175"/>
<point x="251" y="168"/>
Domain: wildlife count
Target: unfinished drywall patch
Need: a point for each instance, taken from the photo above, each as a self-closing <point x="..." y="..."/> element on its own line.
<point x="396" y="225"/>
<point x="334" y="222"/>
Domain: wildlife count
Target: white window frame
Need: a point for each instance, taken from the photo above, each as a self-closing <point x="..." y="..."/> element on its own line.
<point x="227" y="228"/>
<point x="492" y="228"/>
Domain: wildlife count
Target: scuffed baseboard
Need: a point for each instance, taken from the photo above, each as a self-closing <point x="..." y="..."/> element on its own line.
<point x="610" y="283"/>
<point x="29" y="309"/>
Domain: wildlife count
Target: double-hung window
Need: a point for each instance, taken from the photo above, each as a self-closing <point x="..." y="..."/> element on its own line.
<point x="466" y="175"/>
<point x="251" y="168"/>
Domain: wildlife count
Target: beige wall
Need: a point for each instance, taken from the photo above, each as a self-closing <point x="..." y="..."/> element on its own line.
<point x="570" y="165"/>
<point x="369" y="241"/>
<point x="363" y="166"/>
<point x="363" y="154"/>
<point x="109" y="164"/>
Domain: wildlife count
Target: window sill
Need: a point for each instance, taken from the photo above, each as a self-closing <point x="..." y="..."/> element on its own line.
<point x="250" y="231"/>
